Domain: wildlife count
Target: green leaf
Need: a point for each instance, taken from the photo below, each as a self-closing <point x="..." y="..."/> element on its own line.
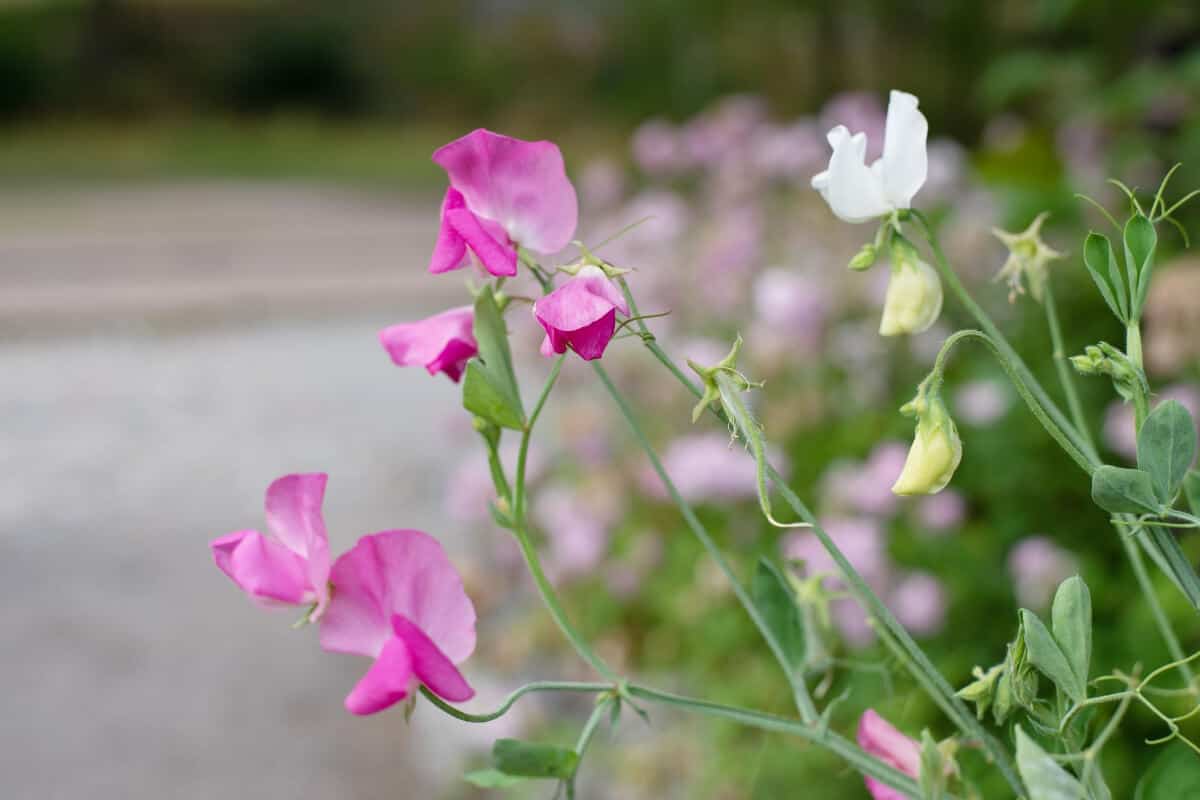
<point x="1102" y="264"/>
<point x="1140" y="243"/>
<point x="1174" y="775"/>
<point x="1124" y="491"/>
<point x="532" y="760"/>
<point x="492" y="779"/>
<point x="490" y="385"/>
<point x="1046" y="654"/>
<point x="774" y="600"/>
<point x="1071" y="620"/>
<point x="1191" y="489"/>
<point x="933" y="769"/>
<point x="1167" y="448"/>
<point x="1044" y="778"/>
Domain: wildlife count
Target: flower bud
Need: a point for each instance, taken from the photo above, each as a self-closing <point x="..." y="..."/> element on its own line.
<point x="914" y="294"/>
<point x="935" y="453"/>
<point x="864" y="258"/>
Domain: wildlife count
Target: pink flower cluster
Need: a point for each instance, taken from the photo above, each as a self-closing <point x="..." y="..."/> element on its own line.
<point x="393" y="597"/>
<point x="506" y="195"/>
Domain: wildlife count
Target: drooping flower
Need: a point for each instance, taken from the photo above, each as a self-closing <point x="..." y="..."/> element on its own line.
<point x="291" y="566"/>
<point x="914" y="294"/>
<point x="580" y="314"/>
<point x="398" y="599"/>
<point x="1028" y="257"/>
<point x="504" y="193"/>
<point x="441" y="343"/>
<point x="880" y="739"/>
<point x="857" y="192"/>
<point x="936" y="449"/>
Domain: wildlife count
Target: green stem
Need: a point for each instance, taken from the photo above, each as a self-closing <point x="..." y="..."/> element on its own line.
<point x="1065" y="376"/>
<point x="510" y="701"/>
<point x="990" y="328"/>
<point x="521" y="530"/>
<point x="804" y="703"/>
<point x="917" y="662"/>
<point x="585" y="738"/>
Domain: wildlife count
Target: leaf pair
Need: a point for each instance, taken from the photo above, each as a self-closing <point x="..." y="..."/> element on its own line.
<point x="1125" y="294"/>
<point x="1166" y="450"/>
<point x="1064" y="654"/>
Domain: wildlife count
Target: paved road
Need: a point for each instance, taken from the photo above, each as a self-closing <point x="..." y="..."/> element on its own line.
<point x="169" y="350"/>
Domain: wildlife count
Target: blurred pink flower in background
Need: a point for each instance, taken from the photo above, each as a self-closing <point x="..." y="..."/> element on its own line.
<point x="792" y="303"/>
<point x="982" y="402"/>
<point x="441" y="343"/>
<point x="860" y="112"/>
<point x="727" y="126"/>
<point x="602" y="184"/>
<point x="1037" y="566"/>
<point x="941" y="512"/>
<point x="947" y="171"/>
<point x="789" y="152"/>
<point x="866" y="487"/>
<point x="728" y="255"/>
<point x="576" y="534"/>
<point x="919" y="602"/>
<point x="708" y="467"/>
<point x="469" y="488"/>
<point x="879" y="738"/>
<point x="862" y="541"/>
<point x="1119" y="434"/>
<point x="658" y="148"/>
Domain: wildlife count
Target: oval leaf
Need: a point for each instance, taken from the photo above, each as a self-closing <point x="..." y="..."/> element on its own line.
<point x="1102" y="265"/>
<point x="490" y="385"/>
<point x="1140" y="243"/>
<point x="1049" y="659"/>
<point x="532" y="760"/>
<point x="1071" y="621"/>
<point x="1167" y="448"/>
<point x="1124" y="491"/>
<point x="1044" y="778"/>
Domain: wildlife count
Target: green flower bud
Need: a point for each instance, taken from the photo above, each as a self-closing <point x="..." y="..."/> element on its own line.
<point x="914" y="294"/>
<point x="936" y="449"/>
<point x="982" y="690"/>
<point x="864" y="258"/>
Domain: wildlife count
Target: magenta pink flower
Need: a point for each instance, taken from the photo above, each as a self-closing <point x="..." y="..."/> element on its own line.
<point x="291" y="567"/>
<point x="441" y="343"/>
<point x="878" y="738"/>
<point x="503" y="193"/>
<point x="398" y="599"/>
<point x="580" y="314"/>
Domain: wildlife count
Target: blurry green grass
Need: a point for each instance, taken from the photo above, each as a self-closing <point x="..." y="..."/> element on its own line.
<point x="381" y="154"/>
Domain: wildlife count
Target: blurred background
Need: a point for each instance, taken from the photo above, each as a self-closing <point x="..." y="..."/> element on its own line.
<point x="208" y="208"/>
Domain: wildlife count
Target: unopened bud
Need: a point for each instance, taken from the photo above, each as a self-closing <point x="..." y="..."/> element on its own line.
<point x="914" y="294"/>
<point x="864" y="258"/>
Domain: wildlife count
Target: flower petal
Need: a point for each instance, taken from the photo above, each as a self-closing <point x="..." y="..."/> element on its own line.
<point x="450" y="251"/>
<point x="443" y="342"/>
<point x="581" y="313"/>
<point x="521" y="185"/>
<point x="263" y="568"/>
<point x="905" y="160"/>
<point x="430" y="665"/>
<point x="497" y="258"/>
<point x="294" y="517"/>
<point x="387" y="682"/>
<point x="854" y="192"/>
<point x="397" y="572"/>
<point x="879" y="738"/>
<point x="590" y="341"/>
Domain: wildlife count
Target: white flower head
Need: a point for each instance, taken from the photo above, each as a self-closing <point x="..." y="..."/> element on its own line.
<point x="857" y="192"/>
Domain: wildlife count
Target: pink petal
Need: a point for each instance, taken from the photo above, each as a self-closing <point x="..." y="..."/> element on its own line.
<point x="877" y="737"/>
<point x="496" y="258"/>
<point x="430" y="664"/>
<point x="263" y="568"/>
<point x="294" y="517"/>
<point x="450" y="251"/>
<point x="521" y="185"/>
<point x="880" y="791"/>
<point x="441" y="343"/>
<point x="591" y="340"/>
<point x="397" y="572"/>
<point x="387" y="682"/>
<point x="581" y="313"/>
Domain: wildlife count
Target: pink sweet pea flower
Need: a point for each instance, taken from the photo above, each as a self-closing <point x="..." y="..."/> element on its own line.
<point x="580" y="314"/>
<point x="878" y="738"/>
<point x="398" y="599"/>
<point x="441" y="343"/>
<point x="291" y="567"/>
<point x="503" y="193"/>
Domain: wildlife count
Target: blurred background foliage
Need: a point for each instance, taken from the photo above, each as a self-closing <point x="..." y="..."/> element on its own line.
<point x="1044" y="98"/>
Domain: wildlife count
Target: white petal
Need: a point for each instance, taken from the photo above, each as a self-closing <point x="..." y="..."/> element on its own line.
<point x="905" y="162"/>
<point x="853" y="191"/>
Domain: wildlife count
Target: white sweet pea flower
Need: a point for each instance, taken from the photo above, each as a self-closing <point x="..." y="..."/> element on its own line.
<point x="857" y="192"/>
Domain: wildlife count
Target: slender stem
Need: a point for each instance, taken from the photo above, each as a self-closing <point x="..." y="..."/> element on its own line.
<point x="521" y="530"/>
<point x="918" y="663"/>
<point x="990" y="328"/>
<point x="1060" y="363"/>
<point x="1091" y="761"/>
<point x="804" y="702"/>
<point x="510" y="701"/>
<point x="585" y="738"/>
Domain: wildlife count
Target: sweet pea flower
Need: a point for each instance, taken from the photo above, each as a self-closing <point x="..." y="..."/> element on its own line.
<point x="914" y="294"/>
<point x="441" y="343"/>
<point x="935" y="453"/>
<point x="880" y="739"/>
<point x="856" y="192"/>
<point x="504" y="193"/>
<point x="398" y="599"/>
<point x="580" y="314"/>
<point x="290" y="567"/>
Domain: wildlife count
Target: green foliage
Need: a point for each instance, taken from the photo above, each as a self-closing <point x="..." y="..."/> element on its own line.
<point x="1102" y="266"/>
<point x="490" y="385"/>
<point x="515" y="758"/>
<point x="1191" y="489"/>
<point x="1174" y="775"/>
<point x="1071" y="623"/>
<point x="1044" y="778"/>
<point x="1046" y="653"/>
<point x="1167" y="448"/>
<point x="1140" y="243"/>
<point x="776" y="603"/>
<point x="1124" y="491"/>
